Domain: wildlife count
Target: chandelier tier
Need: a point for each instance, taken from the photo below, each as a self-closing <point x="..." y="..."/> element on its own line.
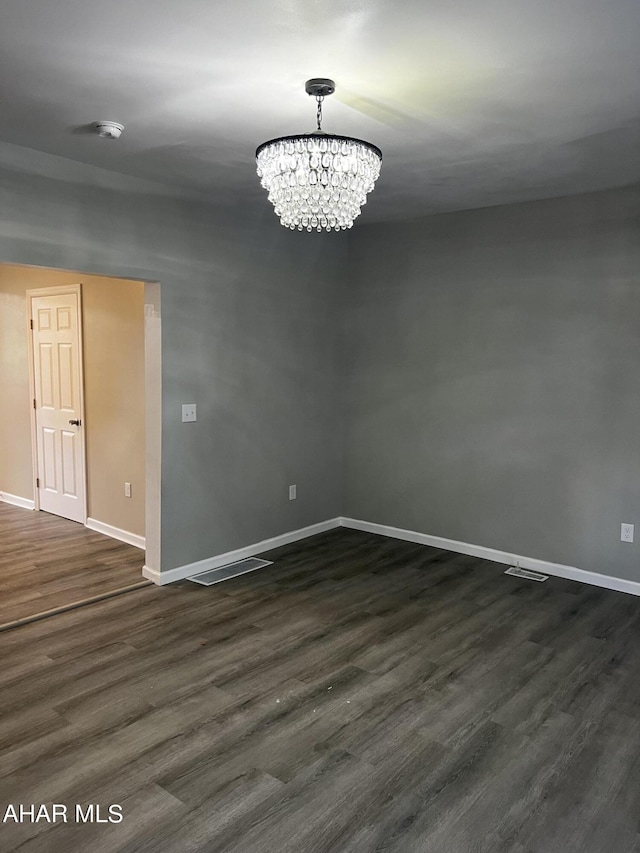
<point x="318" y="180"/>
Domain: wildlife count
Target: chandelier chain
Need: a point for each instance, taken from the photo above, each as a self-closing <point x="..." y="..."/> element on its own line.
<point x="319" y="99"/>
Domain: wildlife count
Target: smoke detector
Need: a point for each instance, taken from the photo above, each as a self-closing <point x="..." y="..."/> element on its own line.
<point x="108" y="129"/>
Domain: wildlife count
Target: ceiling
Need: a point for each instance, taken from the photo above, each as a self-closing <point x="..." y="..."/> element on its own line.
<point x="472" y="104"/>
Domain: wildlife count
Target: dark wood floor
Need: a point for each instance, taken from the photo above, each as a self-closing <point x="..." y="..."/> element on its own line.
<point x="359" y="695"/>
<point x="47" y="562"/>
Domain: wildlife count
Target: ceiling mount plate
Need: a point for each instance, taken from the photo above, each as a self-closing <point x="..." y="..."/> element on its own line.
<point x="320" y="87"/>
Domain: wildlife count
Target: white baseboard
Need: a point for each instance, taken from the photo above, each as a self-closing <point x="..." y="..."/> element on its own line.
<point x="481" y="551"/>
<point x="556" y="569"/>
<point x="116" y="533"/>
<point x="25" y="503"/>
<point x="181" y="572"/>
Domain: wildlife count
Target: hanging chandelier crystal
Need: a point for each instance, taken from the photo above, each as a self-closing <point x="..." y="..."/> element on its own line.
<point x="318" y="180"/>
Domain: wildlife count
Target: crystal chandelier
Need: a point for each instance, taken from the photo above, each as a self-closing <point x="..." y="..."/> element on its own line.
<point x="318" y="180"/>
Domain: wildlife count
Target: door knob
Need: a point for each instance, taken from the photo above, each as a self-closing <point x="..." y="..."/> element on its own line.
<point x="75" y="423"/>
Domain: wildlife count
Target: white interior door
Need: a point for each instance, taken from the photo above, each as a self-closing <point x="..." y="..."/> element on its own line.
<point x="58" y="401"/>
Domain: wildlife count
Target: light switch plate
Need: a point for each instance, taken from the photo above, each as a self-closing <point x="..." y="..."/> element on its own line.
<point x="188" y="412"/>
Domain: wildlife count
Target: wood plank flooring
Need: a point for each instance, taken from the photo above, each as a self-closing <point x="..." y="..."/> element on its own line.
<point x="359" y="695"/>
<point x="47" y="562"/>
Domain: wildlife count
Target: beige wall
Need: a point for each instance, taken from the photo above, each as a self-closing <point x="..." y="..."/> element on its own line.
<point x="113" y="318"/>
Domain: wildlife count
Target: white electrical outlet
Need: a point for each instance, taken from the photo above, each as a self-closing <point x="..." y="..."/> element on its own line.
<point x="127" y="490"/>
<point x="188" y="412"/>
<point x="626" y="532"/>
<point x="292" y="493"/>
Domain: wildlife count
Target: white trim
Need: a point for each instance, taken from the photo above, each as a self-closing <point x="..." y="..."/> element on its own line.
<point x="556" y="569"/>
<point x="32" y="412"/>
<point x="25" y="503"/>
<point x="153" y="420"/>
<point x="181" y="572"/>
<point x="116" y="533"/>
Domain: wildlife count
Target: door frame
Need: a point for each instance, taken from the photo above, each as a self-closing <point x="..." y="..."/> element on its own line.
<point x="53" y="291"/>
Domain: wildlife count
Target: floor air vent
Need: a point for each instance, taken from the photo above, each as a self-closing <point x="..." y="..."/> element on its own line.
<point x="526" y="573"/>
<point x="232" y="570"/>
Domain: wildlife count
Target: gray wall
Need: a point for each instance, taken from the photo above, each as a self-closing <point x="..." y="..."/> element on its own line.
<point x="249" y="333"/>
<point x="487" y="383"/>
<point x="493" y="386"/>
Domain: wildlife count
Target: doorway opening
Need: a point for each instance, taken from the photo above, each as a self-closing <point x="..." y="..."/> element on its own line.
<point x="118" y="405"/>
